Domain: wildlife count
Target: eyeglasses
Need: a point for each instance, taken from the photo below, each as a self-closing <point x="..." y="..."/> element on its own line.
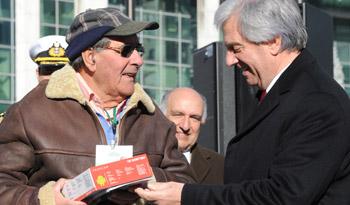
<point x="127" y="49"/>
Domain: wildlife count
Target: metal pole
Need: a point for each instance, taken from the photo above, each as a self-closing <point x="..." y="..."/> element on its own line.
<point x="130" y="9"/>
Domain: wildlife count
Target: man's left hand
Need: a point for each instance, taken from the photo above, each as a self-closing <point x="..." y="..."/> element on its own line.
<point x="168" y="193"/>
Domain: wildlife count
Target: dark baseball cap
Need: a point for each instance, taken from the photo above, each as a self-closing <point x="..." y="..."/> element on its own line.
<point x="90" y="26"/>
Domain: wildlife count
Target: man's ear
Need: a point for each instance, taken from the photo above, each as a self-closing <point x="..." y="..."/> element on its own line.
<point x="89" y="59"/>
<point x="275" y="45"/>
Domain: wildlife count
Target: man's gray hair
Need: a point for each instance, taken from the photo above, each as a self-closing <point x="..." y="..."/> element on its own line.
<point x="164" y="103"/>
<point x="260" y="21"/>
<point x="79" y="62"/>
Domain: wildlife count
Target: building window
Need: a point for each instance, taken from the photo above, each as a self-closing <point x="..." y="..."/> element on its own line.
<point x="7" y="54"/>
<point x="342" y="38"/>
<point x="56" y="16"/>
<point x="168" y="50"/>
<point x="339" y="10"/>
<point x="343" y="49"/>
<point x="122" y="5"/>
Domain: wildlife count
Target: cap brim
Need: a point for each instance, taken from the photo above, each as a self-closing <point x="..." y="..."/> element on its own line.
<point x="131" y="28"/>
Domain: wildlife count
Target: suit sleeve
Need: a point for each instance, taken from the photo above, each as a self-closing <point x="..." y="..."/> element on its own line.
<point x="310" y="155"/>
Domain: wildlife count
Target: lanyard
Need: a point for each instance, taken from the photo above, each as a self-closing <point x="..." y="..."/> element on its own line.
<point x="114" y="122"/>
<point x="116" y="115"/>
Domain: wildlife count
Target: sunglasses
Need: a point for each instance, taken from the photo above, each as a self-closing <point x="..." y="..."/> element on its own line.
<point x="127" y="49"/>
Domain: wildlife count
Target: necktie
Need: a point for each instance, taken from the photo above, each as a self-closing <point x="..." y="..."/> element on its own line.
<point x="262" y="95"/>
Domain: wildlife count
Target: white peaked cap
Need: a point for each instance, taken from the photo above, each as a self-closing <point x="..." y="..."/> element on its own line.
<point x="45" y="43"/>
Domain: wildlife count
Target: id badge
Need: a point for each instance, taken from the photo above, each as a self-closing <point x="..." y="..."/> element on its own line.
<point x="107" y="153"/>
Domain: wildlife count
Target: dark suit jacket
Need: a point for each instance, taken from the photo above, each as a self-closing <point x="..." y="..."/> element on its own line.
<point x="294" y="149"/>
<point x="207" y="165"/>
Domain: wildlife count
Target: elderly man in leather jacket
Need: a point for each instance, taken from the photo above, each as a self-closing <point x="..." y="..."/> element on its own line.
<point x="51" y="134"/>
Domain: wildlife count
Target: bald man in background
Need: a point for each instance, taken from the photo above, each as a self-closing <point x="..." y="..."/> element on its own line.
<point x="188" y="110"/>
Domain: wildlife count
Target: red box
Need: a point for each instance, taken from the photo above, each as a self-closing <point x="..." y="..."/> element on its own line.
<point x="110" y="176"/>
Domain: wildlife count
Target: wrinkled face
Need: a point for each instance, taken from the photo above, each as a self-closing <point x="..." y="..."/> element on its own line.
<point x="185" y="109"/>
<point x="252" y="58"/>
<point x="114" y="74"/>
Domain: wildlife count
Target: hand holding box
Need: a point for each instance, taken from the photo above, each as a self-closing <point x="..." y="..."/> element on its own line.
<point x="108" y="177"/>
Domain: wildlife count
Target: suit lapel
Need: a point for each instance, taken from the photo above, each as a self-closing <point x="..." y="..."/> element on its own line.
<point x="283" y="85"/>
<point x="199" y="164"/>
<point x="270" y="102"/>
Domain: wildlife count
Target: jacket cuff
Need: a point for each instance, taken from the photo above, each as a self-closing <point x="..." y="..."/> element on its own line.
<point x="46" y="195"/>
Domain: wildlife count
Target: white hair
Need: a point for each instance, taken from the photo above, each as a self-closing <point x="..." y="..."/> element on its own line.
<point x="260" y="21"/>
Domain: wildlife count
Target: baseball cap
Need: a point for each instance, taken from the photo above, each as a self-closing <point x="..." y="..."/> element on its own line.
<point x="49" y="53"/>
<point x="90" y="26"/>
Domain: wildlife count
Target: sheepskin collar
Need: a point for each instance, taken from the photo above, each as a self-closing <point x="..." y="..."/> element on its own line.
<point x="64" y="84"/>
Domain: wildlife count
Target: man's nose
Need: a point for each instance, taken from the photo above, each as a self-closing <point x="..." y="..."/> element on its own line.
<point x="136" y="58"/>
<point x="185" y="124"/>
<point x="231" y="59"/>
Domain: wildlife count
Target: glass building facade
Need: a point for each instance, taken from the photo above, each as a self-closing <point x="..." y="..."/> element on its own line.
<point x="7" y="53"/>
<point x="340" y="11"/>
<point x="168" y="50"/>
<point x="55" y="16"/>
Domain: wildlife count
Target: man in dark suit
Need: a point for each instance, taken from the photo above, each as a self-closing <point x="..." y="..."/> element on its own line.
<point x="295" y="147"/>
<point x="188" y="110"/>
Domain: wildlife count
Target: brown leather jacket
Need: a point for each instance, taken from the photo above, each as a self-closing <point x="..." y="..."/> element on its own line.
<point x="52" y="133"/>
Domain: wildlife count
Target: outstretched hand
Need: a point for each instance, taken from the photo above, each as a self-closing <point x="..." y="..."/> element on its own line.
<point x="168" y="193"/>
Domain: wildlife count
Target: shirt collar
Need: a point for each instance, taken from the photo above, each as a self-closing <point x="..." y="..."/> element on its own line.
<point x="95" y="102"/>
<point x="92" y="98"/>
<point x="87" y="91"/>
<point x="188" y="156"/>
<point x="276" y="78"/>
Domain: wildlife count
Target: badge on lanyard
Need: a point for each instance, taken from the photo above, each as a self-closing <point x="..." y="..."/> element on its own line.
<point x="107" y="153"/>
